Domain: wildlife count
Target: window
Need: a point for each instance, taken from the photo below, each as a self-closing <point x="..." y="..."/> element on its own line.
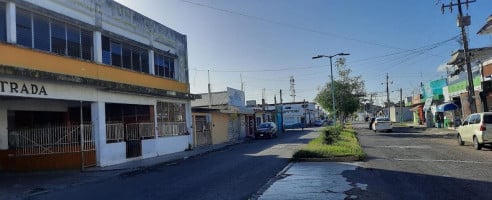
<point x="144" y="58"/>
<point x="3" y="25"/>
<point x="24" y="28"/>
<point x="164" y="66"/>
<point x="171" y="119"/>
<point x="115" y="53"/>
<point x="86" y="44"/>
<point x="41" y="26"/>
<point x="73" y="41"/>
<point x="43" y="33"/>
<point x="487" y="119"/>
<point x="121" y="54"/>
<point x="136" y="62"/>
<point x="106" y="51"/>
<point x="58" y="38"/>
<point x="127" y="57"/>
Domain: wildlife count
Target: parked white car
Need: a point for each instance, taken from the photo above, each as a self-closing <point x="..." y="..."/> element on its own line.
<point x="382" y="124"/>
<point x="476" y="129"/>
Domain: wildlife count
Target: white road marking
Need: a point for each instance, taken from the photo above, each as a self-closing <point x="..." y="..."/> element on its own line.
<point x="453" y="161"/>
<point x="406" y="147"/>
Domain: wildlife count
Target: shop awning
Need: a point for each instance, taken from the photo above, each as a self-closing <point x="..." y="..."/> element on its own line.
<point x="427" y="104"/>
<point x="446" y="107"/>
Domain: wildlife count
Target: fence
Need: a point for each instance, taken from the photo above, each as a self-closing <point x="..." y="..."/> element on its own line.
<point x="51" y="140"/>
<point x="140" y="130"/>
<point x="172" y="128"/>
<point x="115" y="132"/>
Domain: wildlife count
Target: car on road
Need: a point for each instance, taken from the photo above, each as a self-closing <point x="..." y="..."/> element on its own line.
<point x="266" y="130"/>
<point x="319" y="122"/>
<point x="382" y="124"/>
<point x="476" y="129"/>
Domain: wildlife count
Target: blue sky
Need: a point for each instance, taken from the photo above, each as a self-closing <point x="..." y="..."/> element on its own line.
<point x="267" y="41"/>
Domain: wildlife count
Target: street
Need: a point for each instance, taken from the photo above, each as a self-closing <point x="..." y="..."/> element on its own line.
<point x="404" y="164"/>
<point x="420" y="166"/>
<point x="236" y="172"/>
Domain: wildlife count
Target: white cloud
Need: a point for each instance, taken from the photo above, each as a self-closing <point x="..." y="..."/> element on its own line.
<point x="443" y="67"/>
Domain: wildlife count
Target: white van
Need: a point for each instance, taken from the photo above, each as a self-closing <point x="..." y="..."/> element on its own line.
<point x="476" y="129"/>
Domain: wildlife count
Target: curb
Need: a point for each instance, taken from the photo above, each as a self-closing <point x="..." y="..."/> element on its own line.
<point x="280" y="175"/>
<point x="331" y="159"/>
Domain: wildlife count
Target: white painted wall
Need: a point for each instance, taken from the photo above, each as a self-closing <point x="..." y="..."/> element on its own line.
<point x="112" y="154"/>
<point x="168" y="145"/>
<point x="75" y="92"/>
<point x="80" y="10"/>
<point x="149" y="148"/>
<point x="4" y="138"/>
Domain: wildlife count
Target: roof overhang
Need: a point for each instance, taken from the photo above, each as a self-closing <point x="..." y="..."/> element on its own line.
<point x="487" y="28"/>
<point x="477" y="54"/>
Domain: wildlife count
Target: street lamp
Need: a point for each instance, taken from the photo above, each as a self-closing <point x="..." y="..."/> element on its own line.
<point x="332" y="86"/>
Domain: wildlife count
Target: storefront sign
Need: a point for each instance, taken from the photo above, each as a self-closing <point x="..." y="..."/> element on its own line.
<point x="22" y="88"/>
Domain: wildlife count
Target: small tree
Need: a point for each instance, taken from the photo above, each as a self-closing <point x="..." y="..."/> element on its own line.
<point x="348" y="91"/>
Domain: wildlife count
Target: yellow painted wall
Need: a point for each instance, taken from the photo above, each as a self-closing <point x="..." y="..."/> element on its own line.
<point x="219" y="131"/>
<point x="15" y="56"/>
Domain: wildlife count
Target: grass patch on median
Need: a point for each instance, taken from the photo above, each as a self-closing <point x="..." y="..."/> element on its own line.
<point x="333" y="142"/>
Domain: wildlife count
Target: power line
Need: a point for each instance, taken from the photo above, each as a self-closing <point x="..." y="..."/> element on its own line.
<point x="412" y="53"/>
<point x="293" y="26"/>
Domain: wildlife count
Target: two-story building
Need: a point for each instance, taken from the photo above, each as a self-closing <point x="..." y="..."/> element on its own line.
<point x="89" y="82"/>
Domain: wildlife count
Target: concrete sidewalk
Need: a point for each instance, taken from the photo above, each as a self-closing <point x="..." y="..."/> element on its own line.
<point x="21" y="185"/>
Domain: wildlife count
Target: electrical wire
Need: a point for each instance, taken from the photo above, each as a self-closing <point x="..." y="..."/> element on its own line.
<point x="293" y="26"/>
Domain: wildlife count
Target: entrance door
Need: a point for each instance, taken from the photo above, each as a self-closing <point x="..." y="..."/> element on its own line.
<point x="133" y="141"/>
<point x="203" y="134"/>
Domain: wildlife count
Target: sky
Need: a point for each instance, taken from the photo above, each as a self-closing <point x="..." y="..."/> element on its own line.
<point x="262" y="43"/>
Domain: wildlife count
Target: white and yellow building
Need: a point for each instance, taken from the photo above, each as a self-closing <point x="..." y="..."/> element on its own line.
<point x="89" y="82"/>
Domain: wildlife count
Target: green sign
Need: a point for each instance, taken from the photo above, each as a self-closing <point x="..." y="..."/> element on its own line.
<point x="461" y="86"/>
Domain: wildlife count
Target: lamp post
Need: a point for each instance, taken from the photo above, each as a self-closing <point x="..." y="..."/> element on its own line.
<point x="332" y="85"/>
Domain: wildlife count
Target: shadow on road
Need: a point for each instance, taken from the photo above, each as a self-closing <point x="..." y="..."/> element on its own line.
<point x="387" y="184"/>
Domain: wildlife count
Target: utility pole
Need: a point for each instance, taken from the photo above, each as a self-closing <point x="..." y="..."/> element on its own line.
<point x="209" y="91"/>
<point x="263" y="99"/>
<point x="401" y="102"/>
<point x="281" y="125"/>
<point x="464" y="21"/>
<point x="388" y="95"/>
<point x="292" y="90"/>
<point x="242" y="83"/>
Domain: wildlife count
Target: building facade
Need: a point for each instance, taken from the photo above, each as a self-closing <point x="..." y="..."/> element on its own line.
<point x="89" y="82"/>
<point x="230" y="119"/>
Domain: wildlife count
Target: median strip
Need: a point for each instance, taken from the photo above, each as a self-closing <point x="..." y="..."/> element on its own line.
<point x="335" y="143"/>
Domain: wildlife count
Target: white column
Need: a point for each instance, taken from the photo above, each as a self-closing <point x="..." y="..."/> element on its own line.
<point x="4" y="138"/>
<point x="97" y="47"/>
<point x="156" y="128"/>
<point x="189" y="123"/>
<point x="98" y="111"/>
<point x="11" y="23"/>
<point x="151" y="62"/>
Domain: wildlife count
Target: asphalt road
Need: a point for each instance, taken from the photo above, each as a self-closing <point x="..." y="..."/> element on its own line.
<point x="236" y="172"/>
<point x="402" y="165"/>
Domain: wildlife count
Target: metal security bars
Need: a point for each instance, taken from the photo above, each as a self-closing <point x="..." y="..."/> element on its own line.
<point x="115" y="132"/>
<point x="51" y="140"/>
<point x="141" y="130"/>
<point x="172" y="129"/>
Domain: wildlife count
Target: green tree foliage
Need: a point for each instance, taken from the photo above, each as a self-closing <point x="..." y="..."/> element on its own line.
<point x="348" y="91"/>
